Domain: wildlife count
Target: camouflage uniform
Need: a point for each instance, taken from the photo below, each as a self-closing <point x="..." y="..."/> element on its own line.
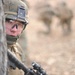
<point x="65" y="16"/>
<point x="45" y="14"/>
<point x="17" y="51"/>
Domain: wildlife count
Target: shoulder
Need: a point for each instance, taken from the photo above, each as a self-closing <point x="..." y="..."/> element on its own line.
<point x="18" y="48"/>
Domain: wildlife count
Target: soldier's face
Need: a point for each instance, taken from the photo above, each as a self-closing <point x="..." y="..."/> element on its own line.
<point x="13" y="27"/>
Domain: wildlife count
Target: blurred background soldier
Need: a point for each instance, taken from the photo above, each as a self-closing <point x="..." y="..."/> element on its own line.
<point x="65" y="16"/>
<point x="15" y="22"/>
<point x="45" y="14"/>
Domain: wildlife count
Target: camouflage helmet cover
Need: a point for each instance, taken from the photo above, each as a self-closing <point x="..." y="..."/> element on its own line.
<point x="16" y="9"/>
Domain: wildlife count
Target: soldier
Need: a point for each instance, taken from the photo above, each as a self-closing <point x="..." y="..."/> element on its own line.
<point x="45" y="14"/>
<point x="65" y="16"/>
<point x="15" y="22"/>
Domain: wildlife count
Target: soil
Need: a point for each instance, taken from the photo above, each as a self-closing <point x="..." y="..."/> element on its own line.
<point x="54" y="52"/>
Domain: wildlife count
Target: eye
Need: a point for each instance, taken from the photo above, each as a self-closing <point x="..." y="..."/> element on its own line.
<point x="21" y="25"/>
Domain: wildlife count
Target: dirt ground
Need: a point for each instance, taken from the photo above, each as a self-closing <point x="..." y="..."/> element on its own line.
<point x="55" y="52"/>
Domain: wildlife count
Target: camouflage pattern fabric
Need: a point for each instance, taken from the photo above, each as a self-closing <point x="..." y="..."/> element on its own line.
<point x="17" y="51"/>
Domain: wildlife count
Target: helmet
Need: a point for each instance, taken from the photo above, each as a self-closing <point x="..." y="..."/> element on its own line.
<point x="16" y="10"/>
<point x="27" y="3"/>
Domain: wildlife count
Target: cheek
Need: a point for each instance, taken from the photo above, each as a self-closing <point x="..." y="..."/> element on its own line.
<point x="7" y="29"/>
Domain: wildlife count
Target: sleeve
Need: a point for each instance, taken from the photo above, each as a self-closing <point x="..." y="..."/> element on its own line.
<point x="21" y="52"/>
